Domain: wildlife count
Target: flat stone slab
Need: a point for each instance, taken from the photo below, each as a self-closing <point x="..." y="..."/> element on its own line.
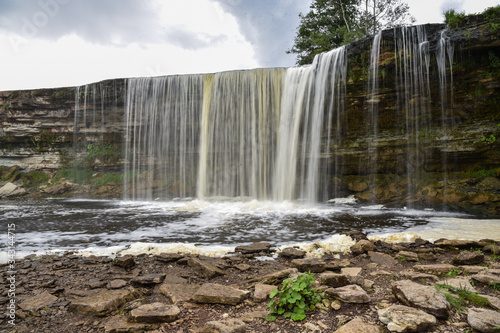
<point x="7" y="189"/>
<point x="38" y="302"/>
<point x="313" y="265"/>
<point x="483" y="320"/>
<point x="357" y="325"/>
<point x="275" y="277"/>
<point x="119" y="324"/>
<point x="253" y="248"/>
<point x="262" y="292"/>
<point x="400" y="318"/>
<point x="382" y="259"/>
<point x="101" y="303"/>
<point x="155" y="313"/>
<point x="426" y="298"/>
<point x="226" y="326"/>
<point x="468" y="258"/>
<point x="179" y="292"/>
<point x="333" y="279"/>
<point x="407" y="255"/>
<point x="204" y="268"/>
<point x="349" y="294"/>
<point x="155" y="278"/>
<point x="292" y="253"/>
<point x="434" y="269"/>
<point x="486" y="278"/>
<point x="459" y="283"/>
<point x="461" y="244"/>
<point x="211" y="293"/>
<point x="412" y="275"/>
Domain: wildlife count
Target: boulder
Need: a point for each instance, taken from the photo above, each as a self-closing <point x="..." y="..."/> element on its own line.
<point x="484" y="320"/>
<point x="422" y="297"/>
<point x="362" y="246"/>
<point x="292" y="253"/>
<point x="333" y="279"/>
<point x="155" y="313"/>
<point x="58" y="189"/>
<point x="211" y="293"/>
<point x="468" y="258"/>
<point x="349" y="294"/>
<point x="204" y="268"/>
<point x="400" y="318"/>
<point x="101" y="303"/>
<point x="357" y="325"/>
<point x="178" y="292"/>
<point x="225" y="326"/>
<point x="313" y="265"/>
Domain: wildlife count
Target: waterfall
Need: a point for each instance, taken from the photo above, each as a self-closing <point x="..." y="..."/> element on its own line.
<point x="310" y="95"/>
<point x="413" y="97"/>
<point x="162" y="136"/>
<point x="241" y="111"/>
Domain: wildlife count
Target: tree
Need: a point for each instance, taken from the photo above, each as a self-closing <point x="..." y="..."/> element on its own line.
<point x="332" y="23"/>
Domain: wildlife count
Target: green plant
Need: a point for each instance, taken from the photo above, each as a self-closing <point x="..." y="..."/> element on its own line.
<point x="295" y="298"/>
<point x="461" y="297"/>
<point x="454" y="19"/>
<point x="453" y="273"/>
<point x="489" y="140"/>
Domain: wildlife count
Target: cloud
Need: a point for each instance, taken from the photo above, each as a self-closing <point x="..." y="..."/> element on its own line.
<point x="269" y="25"/>
<point x="98" y="21"/>
<point x="457" y="5"/>
<point x="189" y="40"/>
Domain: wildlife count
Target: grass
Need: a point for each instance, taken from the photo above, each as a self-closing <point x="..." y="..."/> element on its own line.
<point x="459" y="298"/>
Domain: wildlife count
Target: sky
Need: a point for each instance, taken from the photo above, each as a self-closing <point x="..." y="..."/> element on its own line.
<point x="56" y="43"/>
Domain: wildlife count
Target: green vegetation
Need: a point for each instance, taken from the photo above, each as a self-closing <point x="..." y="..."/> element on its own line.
<point x="295" y="298"/>
<point x="459" y="298"/>
<point x="455" y="20"/>
<point x="332" y="23"/>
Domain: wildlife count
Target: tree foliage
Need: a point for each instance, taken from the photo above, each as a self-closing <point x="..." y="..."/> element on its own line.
<point x="332" y="23"/>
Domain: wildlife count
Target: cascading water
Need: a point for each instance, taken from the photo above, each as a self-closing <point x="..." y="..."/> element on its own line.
<point x="162" y="134"/>
<point x="311" y="94"/>
<point x="413" y="97"/>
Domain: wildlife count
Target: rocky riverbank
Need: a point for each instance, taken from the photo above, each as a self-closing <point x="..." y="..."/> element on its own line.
<point x="445" y="286"/>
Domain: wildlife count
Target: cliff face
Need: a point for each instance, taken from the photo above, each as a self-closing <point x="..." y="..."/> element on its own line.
<point x="421" y="129"/>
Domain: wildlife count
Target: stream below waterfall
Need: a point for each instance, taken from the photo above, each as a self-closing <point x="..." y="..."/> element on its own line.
<point x="109" y="227"/>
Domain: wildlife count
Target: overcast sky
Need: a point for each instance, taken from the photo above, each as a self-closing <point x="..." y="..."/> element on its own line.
<point x="53" y="43"/>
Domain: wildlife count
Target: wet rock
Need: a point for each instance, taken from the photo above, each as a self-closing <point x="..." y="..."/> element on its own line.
<point x="357" y="186"/>
<point x="155" y="278"/>
<point x="292" y="253"/>
<point x="489" y="183"/>
<point x="468" y="258"/>
<point x="313" y="265"/>
<point x="38" y="302"/>
<point x="211" y="293"/>
<point x="262" y="292"/>
<point x="253" y="248"/>
<point x="423" y="297"/>
<point x="119" y="324"/>
<point x="484" y="320"/>
<point x="434" y="269"/>
<point x="400" y="318"/>
<point x="225" y="326"/>
<point x="362" y="246"/>
<point x="357" y="235"/>
<point x="349" y="294"/>
<point x="179" y="292"/>
<point x="155" y="313"/>
<point x="407" y="256"/>
<point x="357" y="325"/>
<point x="168" y="257"/>
<point x="101" y="303"/>
<point x="124" y="262"/>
